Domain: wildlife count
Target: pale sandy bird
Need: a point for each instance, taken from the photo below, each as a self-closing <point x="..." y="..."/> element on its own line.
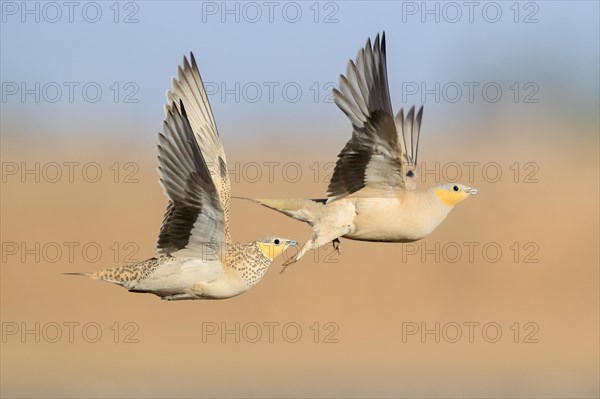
<point x="195" y="257"/>
<point x="371" y="196"/>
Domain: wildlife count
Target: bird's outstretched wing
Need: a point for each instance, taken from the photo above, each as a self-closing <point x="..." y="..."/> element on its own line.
<point x="194" y="223"/>
<point x="375" y="156"/>
<point x="188" y="89"/>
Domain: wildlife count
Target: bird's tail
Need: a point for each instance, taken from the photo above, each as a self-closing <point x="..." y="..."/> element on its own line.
<point x="106" y="275"/>
<point x="85" y="274"/>
<point x="305" y="210"/>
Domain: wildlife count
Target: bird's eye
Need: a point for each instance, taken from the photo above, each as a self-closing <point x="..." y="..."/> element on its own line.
<point x="455" y="188"/>
<point x="276" y="241"/>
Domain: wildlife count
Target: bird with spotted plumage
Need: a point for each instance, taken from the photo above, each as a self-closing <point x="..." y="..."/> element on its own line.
<point x="371" y="195"/>
<point x="195" y="256"/>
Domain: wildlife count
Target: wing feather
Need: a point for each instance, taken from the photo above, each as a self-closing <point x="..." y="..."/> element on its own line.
<point x="188" y="89"/>
<point x="411" y="131"/>
<point x="194" y="221"/>
<point x="374" y="157"/>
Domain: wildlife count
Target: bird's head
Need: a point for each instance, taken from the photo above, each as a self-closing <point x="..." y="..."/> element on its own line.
<point x="272" y="247"/>
<point x="452" y="193"/>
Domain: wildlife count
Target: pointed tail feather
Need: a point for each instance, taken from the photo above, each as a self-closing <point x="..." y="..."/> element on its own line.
<point x="93" y="275"/>
<point x="105" y="275"/>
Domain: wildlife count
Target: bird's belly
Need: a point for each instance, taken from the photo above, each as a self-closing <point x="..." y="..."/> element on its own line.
<point x="180" y="275"/>
<point x="384" y="220"/>
<point x="222" y="288"/>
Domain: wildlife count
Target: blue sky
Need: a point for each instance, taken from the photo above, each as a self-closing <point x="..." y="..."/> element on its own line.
<point x="247" y="49"/>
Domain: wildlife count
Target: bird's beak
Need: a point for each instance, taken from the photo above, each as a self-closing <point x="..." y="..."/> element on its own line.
<point x="472" y="191"/>
<point x="292" y="242"/>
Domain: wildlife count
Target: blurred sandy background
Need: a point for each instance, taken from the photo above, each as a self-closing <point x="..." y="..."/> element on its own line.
<point x="370" y="296"/>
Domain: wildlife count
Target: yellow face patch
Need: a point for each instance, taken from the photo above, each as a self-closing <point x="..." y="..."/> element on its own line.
<point x="450" y="198"/>
<point x="271" y="250"/>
